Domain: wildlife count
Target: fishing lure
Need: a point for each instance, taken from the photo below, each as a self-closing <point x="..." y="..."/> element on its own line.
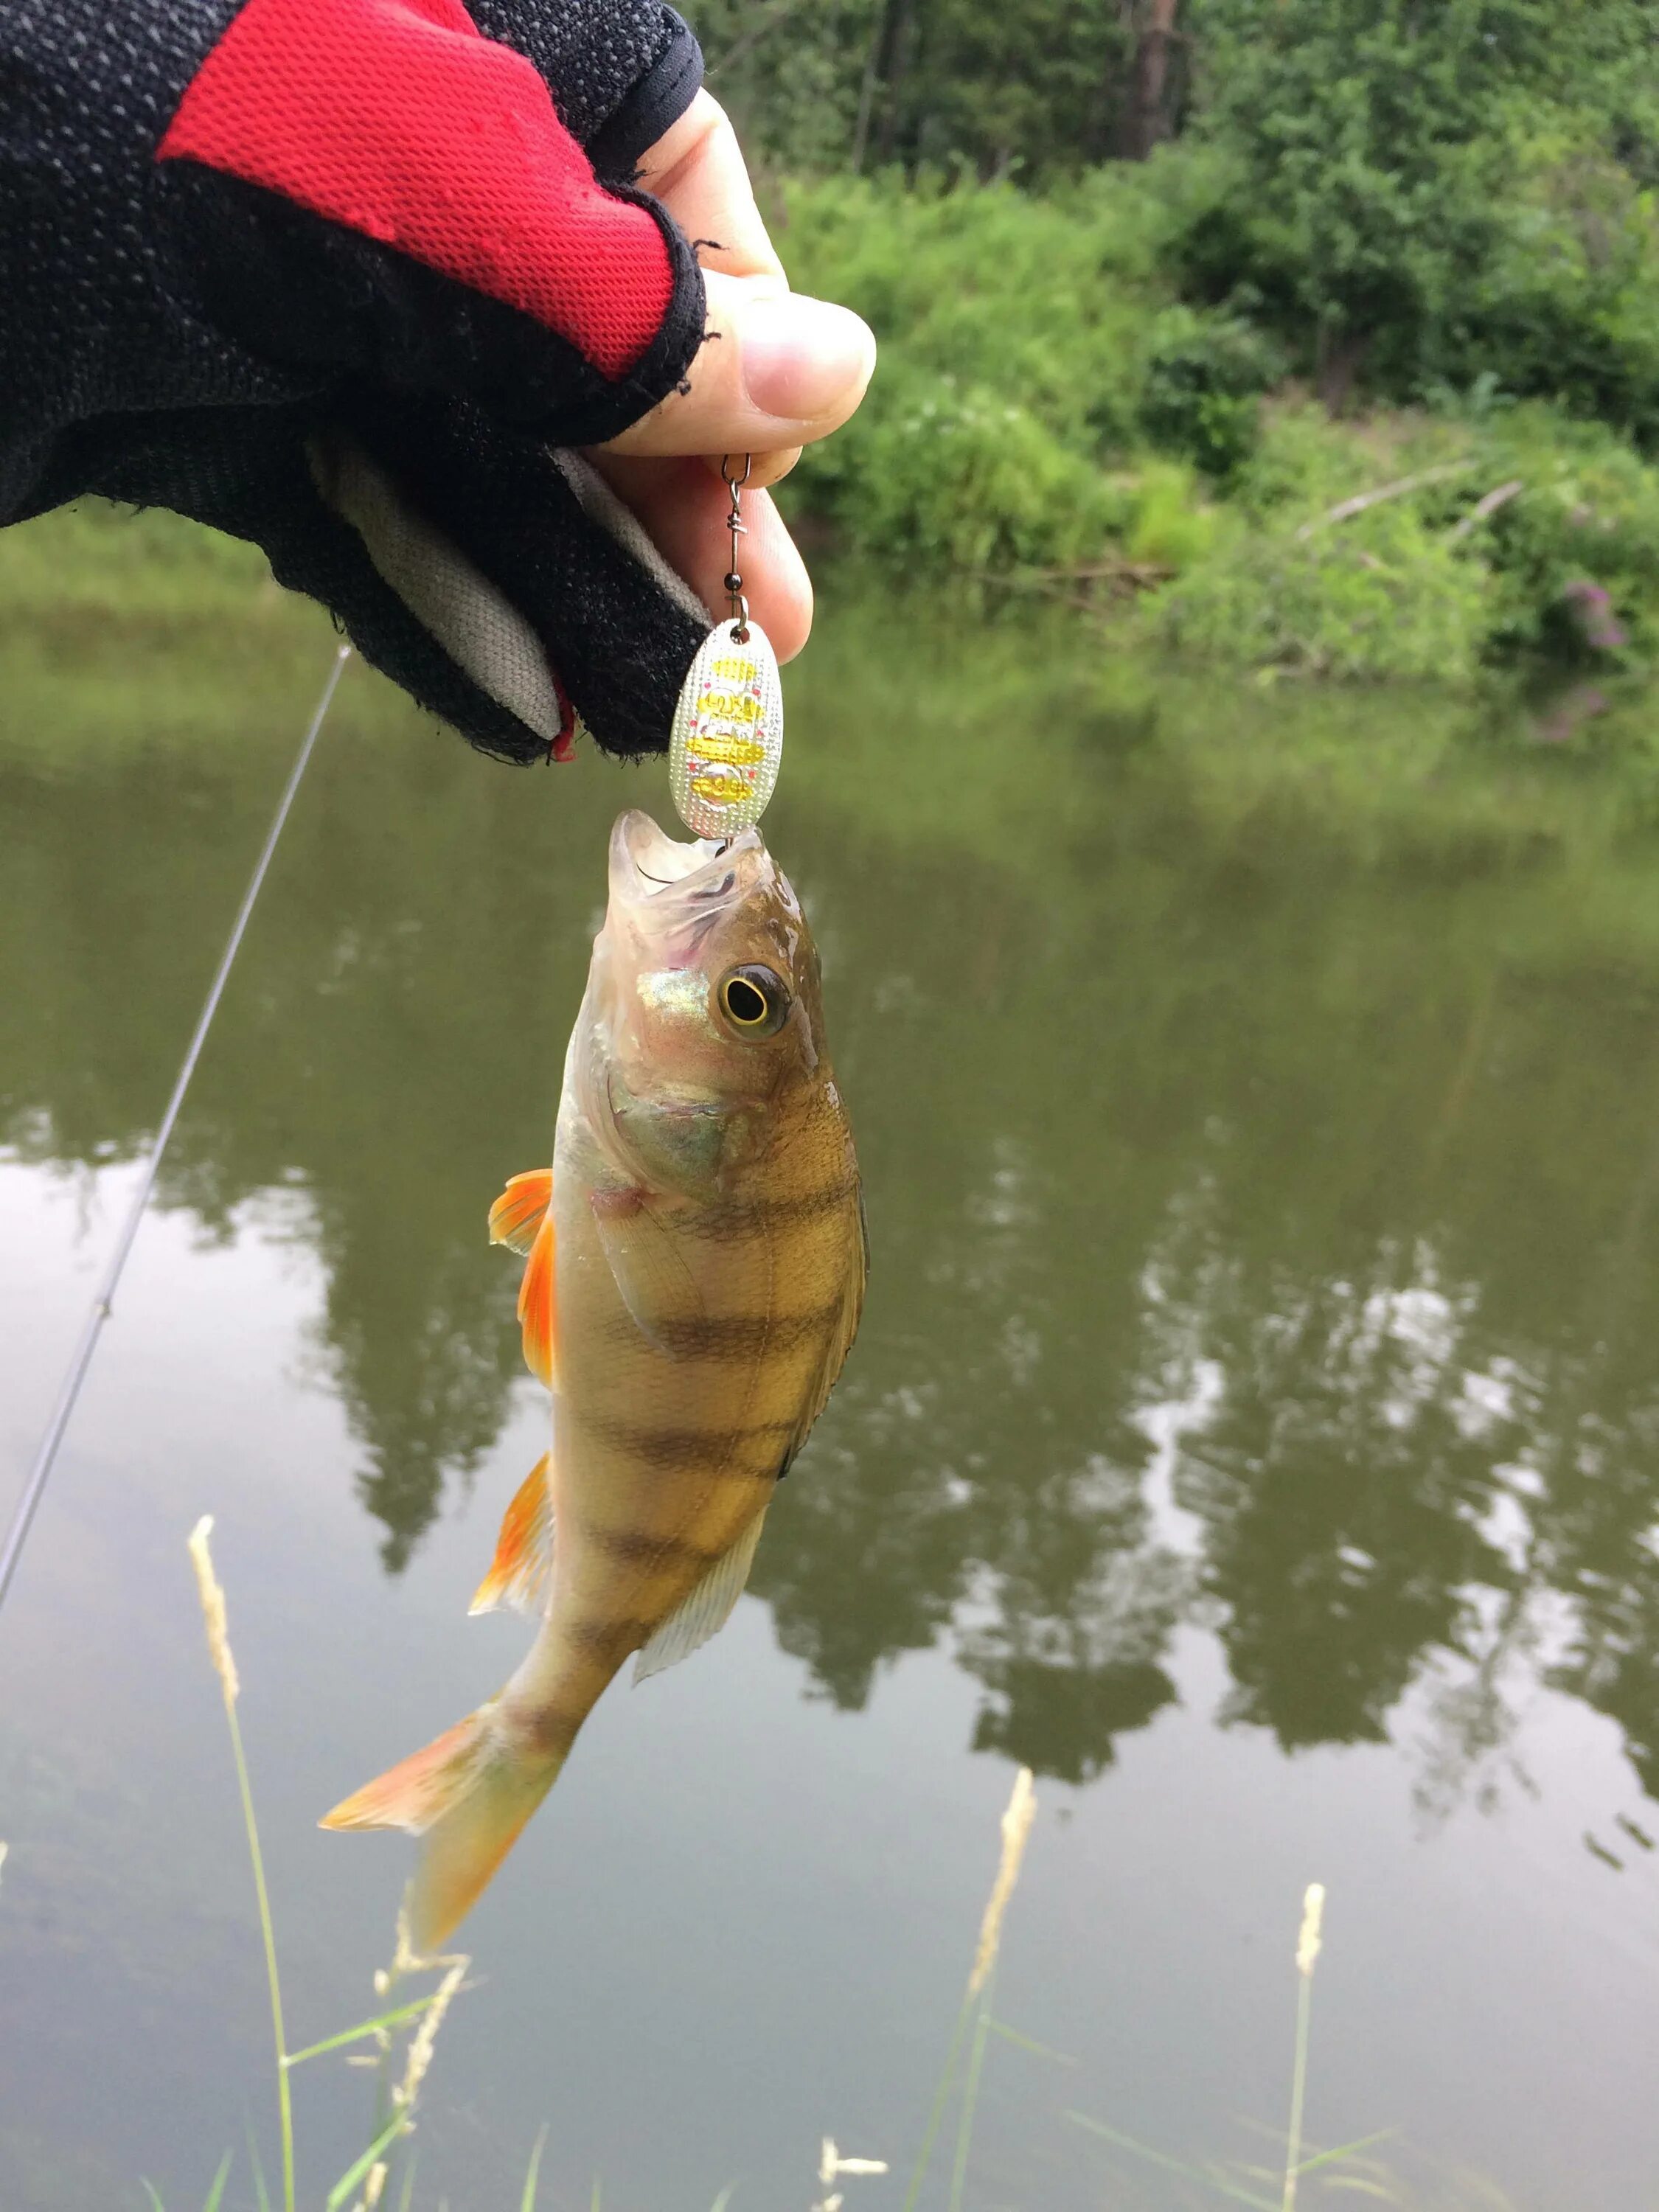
<point x="726" y="740"/>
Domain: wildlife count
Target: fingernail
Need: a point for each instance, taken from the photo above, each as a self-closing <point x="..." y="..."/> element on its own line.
<point x="805" y="358"/>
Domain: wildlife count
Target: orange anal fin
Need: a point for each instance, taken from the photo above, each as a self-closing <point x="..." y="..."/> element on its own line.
<point x="524" y="1550"/>
<point x="518" y="1213"/>
<point x="536" y="1305"/>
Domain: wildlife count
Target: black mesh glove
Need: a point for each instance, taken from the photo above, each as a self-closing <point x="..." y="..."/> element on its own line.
<point x="350" y="278"/>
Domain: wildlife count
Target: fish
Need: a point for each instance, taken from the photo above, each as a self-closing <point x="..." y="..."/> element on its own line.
<point x="694" y="1269"/>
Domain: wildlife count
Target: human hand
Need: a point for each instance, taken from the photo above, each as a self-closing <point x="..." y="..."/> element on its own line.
<point x="778" y="371"/>
<point x="355" y="279"/>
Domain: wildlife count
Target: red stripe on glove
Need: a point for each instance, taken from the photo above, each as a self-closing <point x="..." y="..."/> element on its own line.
<point x="399" y="120"/>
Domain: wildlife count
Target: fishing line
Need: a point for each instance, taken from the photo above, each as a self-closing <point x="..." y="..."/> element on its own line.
<point x="102" y="1304"/>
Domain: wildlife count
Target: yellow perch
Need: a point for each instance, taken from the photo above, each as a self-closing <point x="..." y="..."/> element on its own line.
<point x="694" y="1270"/>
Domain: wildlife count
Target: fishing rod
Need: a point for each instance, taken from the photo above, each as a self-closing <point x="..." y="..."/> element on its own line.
<point x="103" y="1302"/>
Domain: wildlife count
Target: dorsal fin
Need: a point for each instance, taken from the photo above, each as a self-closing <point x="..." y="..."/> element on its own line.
<point x="708" y="1609"/>
<point x="517" y="1214"/>
<point x="524" y="1550"/>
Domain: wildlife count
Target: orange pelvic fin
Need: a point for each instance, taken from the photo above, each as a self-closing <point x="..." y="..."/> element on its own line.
<point x="517" y="1213"/>
<point x="524" y="1550"/>
<point x="536" y="1305"/>
<point x="468" y="1795"/>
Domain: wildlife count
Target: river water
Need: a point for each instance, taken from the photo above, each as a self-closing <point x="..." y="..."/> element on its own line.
<point x="1253" y="1430"/>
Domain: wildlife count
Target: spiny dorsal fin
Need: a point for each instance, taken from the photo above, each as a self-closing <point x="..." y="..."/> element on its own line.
<point x="708" y="1609"/>
<point x="536" y="1305"/>
<point x="524" y="1550"/>
<point x="517" y="1213"/>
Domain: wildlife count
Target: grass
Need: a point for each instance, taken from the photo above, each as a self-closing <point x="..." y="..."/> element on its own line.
<point x="363" y="2186"/>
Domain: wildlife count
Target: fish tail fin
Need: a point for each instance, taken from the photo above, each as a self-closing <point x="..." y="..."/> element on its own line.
<point x="467" y="1796"/>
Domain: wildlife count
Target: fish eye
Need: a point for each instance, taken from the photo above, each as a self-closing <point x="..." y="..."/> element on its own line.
<point x="755" y="1001"/>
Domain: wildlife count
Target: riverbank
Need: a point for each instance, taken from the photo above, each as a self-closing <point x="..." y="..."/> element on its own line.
<point x="1052" y="410"/>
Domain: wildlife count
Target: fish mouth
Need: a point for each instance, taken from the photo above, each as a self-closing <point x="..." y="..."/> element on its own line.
<point x="645" y="862"/>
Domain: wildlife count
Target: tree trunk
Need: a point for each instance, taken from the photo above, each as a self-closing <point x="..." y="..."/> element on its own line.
<point x="1340" y="355"/>
<point x="1147" y="121"/>
<point x="883" y="67"/>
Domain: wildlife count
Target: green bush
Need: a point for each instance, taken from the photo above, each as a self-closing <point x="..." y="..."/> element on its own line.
<point x="1046" y="399"/>
<point x="1205" y="375"/>
<point x="1046" y="301"/>
<point x="1013" y="334"/>
<point x="1585" y="521"/>
<point x="951" y="476"/>
<point x="1380" y="596"/>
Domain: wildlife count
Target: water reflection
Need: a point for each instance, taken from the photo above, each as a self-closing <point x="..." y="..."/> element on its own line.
<point x="1264" y="1234"/>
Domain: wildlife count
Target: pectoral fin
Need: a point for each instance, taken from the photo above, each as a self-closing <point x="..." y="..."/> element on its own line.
<point x="536" y="1313"/>
<point x="708" y="1609"/>
<point x="518" y="1213"/>
<point x="656" y="1285"/>
<point x="524" y="1550"/>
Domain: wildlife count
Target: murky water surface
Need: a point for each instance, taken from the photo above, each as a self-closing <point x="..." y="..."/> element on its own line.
<point x="1253" y="1430"/>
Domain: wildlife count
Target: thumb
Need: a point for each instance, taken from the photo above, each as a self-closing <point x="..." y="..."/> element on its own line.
<point x="776" y="369"/>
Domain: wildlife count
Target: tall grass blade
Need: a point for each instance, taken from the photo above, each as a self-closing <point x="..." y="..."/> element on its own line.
<point x="527" y="2201"/>
<point x="1016" y="1827"/>
<point x="1029" y="2043"/>
<point x="220" y="2178"/>
<point x="155" y="2203"/>
<point x="724" y="2198"/>
<point x="1346" y="2150"/>
<point x="970" y="2094"/>
<point x="941" y="2100"/>
<point x="355" y="2173"/>
<point x="261" y="2194"/>
<point x="392" y="2019"/>
<point x="284" y="2102"/>
<point x="224" y="1665"/>
<point x="407" y="2198"/>
<point x="1170" y="2165"/>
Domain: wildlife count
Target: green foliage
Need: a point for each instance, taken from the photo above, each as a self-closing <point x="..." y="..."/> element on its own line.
<point x="1427" y="194"/>
<point x="1382" y="596"/>
<point x="1519" y="532"/>
<point x="1029" y="89"/>
<point x="956" y="477"/>
<point x="1205" y="371"/>
<point x="1400" y="198"/>
<point x="1015" y="341"/>
<point x="1587" y="515"/>
<point x="1047" y="299"/>
<point x="791" y="72"/>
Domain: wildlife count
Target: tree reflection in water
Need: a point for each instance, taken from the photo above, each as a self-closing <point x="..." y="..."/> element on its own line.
<point x="1351" y="1161"/>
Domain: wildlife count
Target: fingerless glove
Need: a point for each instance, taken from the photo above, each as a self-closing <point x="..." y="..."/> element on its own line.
<point x="351" y="279"/>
